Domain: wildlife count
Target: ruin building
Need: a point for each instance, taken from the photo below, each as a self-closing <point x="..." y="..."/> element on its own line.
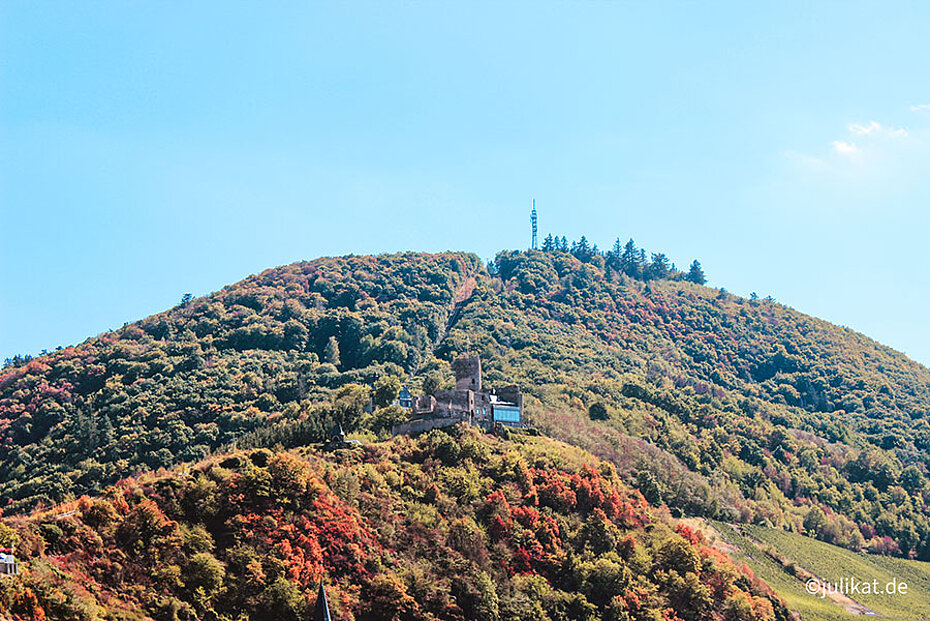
<point x="470" y="402"/>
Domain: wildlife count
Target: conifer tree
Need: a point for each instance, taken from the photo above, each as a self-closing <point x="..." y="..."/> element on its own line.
<point x="642" y="264"/>
<point x="629" y="260"/>
<point x="331" y="353"/>
<point x="696" y="274"/>
<point x="582" y="249"/>
<point x="660" y="268"/>
<point x="612" y="256"/>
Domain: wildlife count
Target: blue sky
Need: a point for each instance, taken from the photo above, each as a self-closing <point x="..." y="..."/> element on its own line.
<point x="151" y="149"/>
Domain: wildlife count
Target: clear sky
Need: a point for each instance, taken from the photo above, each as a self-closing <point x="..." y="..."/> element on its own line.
<point x="148" y="149"/>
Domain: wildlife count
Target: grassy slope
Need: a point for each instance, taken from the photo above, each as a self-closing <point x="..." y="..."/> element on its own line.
<point x="830" y="563"/>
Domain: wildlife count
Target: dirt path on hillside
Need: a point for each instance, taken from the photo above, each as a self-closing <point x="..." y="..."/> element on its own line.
<point x="713" y="536"/>
<point x="459" y="301"/>
<point x="462" y="296"/>
<point x="840" y="599"/>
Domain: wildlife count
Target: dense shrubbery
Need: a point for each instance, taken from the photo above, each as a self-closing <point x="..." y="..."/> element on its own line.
<point x="448" y="527"/>
<point x="776" y="411"/>
<point x="178" y="385"/>
<point x="715" y="405"/>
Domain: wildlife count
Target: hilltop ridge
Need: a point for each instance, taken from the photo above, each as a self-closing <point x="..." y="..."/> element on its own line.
<point x="712" y="404"/>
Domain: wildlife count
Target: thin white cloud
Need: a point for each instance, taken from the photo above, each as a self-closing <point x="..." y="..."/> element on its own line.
<point x="869" y="159"/>
<point x="807" y="162"/>
<point x="874" y="128"/>
<point x="864" y="144"/>
<point x="921" y="108"/>
<point x="845" y="148"/>
<point x="864" y="130"/>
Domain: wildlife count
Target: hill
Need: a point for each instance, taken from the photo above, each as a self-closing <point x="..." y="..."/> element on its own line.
<point x="740" y="410"/>
<point x="443" y="527"/>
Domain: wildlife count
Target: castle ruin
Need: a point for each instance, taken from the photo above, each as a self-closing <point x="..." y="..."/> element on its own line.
<point x="469" y="402"/>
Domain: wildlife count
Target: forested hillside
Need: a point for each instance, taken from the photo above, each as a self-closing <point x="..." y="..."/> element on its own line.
<point x="742" y="410"/>
<point x="446" y="526"/>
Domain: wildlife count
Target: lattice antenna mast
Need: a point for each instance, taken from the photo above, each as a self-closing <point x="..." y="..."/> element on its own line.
<point x="533" y="221"/>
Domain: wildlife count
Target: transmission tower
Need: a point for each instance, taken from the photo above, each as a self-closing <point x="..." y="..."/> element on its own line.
<point x="533" y="221"/>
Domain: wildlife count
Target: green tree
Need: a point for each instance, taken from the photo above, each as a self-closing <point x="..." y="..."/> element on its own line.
<point x="660" y="267"/>
<point x="599" y="533"/>
<point x="629" y="260"/>
<point x="598" y="411"/>
<point x="432" y="382"/>
<point x="288" y="480"/>
<point x="649" y="487"/>
<point x="815" y="521"/>
<point x="696" y="273"/>
<point x="387" y="599"/>
<point x="679" y="555"/>
<point x="466" y="537"/>
<point x="349" y="402"/>
<point x="612" y="256"/>
<point x="331" y="353"/>
<point x="583" y="250"/>
<point x="383" y="419"/>
<point x="386" y="389"/>
<point x="296" y="335"/>
<point x="912" y="479"/>
<point x="8" y="537"/>
<point x="204" y="577"/>
<point x="641" y="265"/>
<point x="486" y="603"/>
<point x="605" y="579"/>
<point x="282" y="601"/>
<point x="738" y="607"/>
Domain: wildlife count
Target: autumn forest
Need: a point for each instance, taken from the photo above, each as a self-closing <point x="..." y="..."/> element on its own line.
<point x="174" y="468"/>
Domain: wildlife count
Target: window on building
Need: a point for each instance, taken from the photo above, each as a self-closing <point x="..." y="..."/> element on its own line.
<point x="507" y="413"/>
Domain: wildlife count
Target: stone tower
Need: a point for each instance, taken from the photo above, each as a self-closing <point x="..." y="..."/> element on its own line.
<point x="467" y="373"/>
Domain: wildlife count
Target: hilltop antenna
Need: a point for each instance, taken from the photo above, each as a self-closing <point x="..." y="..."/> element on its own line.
<point x="533" y="221"/>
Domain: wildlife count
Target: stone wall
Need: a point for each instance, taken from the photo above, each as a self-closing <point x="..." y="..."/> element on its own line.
<point x="425" y="424"/>
<point x="424" y="404"/>
<point x="454" y="401"/>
